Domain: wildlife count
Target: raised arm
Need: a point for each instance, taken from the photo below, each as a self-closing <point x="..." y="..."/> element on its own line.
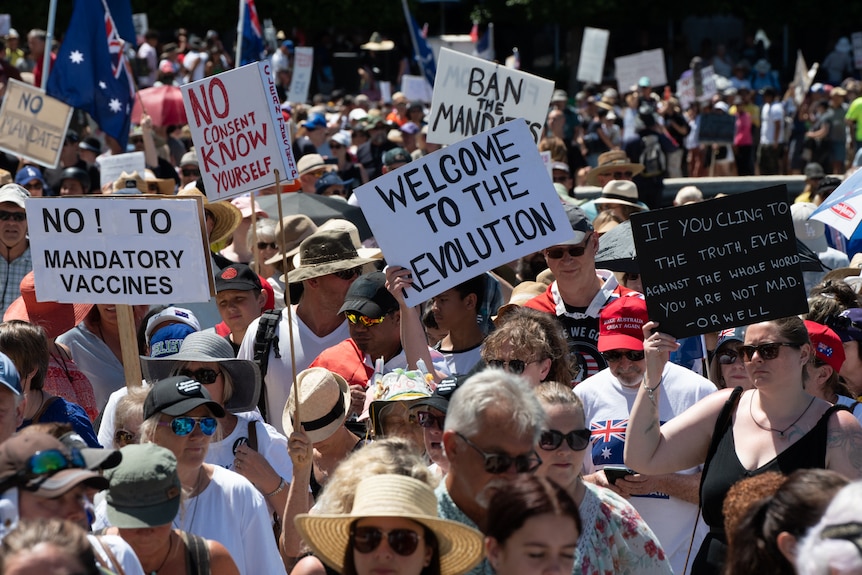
<point x="844" y="445"/>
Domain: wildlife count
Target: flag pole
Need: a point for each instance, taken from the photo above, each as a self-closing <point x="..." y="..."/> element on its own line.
<point x="409" y="18"/>
<point x="239" y="30"/>
<point x="49" y="41"/>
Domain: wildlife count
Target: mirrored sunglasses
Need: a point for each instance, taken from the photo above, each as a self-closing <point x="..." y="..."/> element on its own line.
<point x="182" y="426"/>
<point x="358" y="318"/>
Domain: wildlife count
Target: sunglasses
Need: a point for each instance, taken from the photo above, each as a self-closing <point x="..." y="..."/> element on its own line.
<point x="427" y="420"/>
<point x="152" y="187"/>
<point x="264" y="245"/>
<point x="14" y="216"/>
<point x="51" y="461"/>
<point x="578" y="439"/>
<point x="622" y="175"/>
<point x="727" y="357"/>
<point x="498" y="463"/>
<point x="348" y="274"/>
<point x="203" y="375"/>
<point x="766" y="351"/>
<point x="191" y="173"/>
<point x="559" y="252"/>
<point x="123" y="437"/>
<point x="182" y="426"/>
<point x="358" y="318"/>
<point x="516" y="366"/>
<point x="334" y="146"/>
<point x="403" y="542"/>
<point x="615" y="355"/>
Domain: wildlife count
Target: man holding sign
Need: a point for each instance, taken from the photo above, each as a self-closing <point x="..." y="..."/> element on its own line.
<point x="16" y="261"/>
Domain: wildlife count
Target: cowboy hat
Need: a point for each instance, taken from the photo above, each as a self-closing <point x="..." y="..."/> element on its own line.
<point x="323" y="253"/>
<point x="621" y="192"/>
<point x="165" y="185"/>
<point x="339" y="224"/>
<point x="459" y="546"/>
<point x="227" y="217"/>
<point x="613" y="161"/>
<point x="325" y="399"/>
<point x="130" y="184"/>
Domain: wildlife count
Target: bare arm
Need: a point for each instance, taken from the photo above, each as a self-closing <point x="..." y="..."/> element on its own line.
<point x="299" y="499"/>
<point x="844" y="445"/>
<point x="679" y="485"/>
<point x="220" y="559"/>
<point x="151" y="156"/>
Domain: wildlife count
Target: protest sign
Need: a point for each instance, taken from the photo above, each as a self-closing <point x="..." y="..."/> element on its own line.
<point x="472" y="95"/>
<point x="32" y="124"/>
<point x="465" y="209"/>
<point x="546" y="160"/>
<point x="119" y="250"/>
<point x="594" y="46"/>
<point x="693" y="88"/>
<point x="416" y="88"/>
<point x="141" y="22"/>
<point x="716" y="128"/>
<point x="724" y="263"/>
<point x="303" y="63"/>
<point x="239" y="132"/>
<point x="5" y="24"/>
<point x="110" y="167"/>
<point x="633" y="67"/>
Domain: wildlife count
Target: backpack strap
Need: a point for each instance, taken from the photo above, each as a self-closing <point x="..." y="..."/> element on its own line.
<point x="266" y="339"/>
<point x="252" y="435"/>
<point x="197" y="554"/>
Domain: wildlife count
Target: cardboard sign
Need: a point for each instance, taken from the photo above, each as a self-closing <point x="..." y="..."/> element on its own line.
<point x="472" y="95"/>
<point x="119" y="250"/>
<point x="303" y="63"/>
<point x="238" y="130"/>
<point x="719" y="264"/>
<point x="110" y="167"/>
<point x="716" y="128"/>
<point x="594" y="46"/>
<point x="32" y="124"/>
<point x="465" y="209"/>
<point x="416" y="88"/>
<point x="632" y="68"/>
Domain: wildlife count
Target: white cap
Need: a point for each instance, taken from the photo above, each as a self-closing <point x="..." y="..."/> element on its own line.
<point x="172" y="314"/>
<point x="14" y="194"/>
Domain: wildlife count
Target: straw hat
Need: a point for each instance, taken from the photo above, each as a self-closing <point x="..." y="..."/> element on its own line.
<point x="609" y="162"/>
<point x="130" y="184"/>
<point x="55" y="318"/>
<point x="460" y="547"/>
<point x="621" y="192"/>
<point x="323" y="253"/>
<point x="324" y="401"/>
<point x="227" y="217"/>
<point x="289" y="233"/>
<point x="166" y="185"/>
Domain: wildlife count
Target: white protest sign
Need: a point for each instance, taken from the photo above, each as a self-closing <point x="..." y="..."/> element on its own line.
<point x="686" y="87"/>
<point x="857" y="49"/>
<point x="594" y="46"/>
<point x="5" y="24"/>
<point x="472" y="95"/>
<point x="633" y="67"/>
<point x="238" y="130"/>
<point x="119" y="250"/>
<point x="416" y="88"/>
<point x="110" y="167"/>
<point x="32" y="124"/>
<point x="546" y="160"/>
<point x="385" y="91"/>
<point x="303" y="63"/>
<point x="141" y="22"/>
<point x="465" y="209"/>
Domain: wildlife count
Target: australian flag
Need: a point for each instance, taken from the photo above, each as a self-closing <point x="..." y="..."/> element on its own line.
<point x="252" y="35"/>
<point x="424" y="55"/>
<point x="92" y="73"/>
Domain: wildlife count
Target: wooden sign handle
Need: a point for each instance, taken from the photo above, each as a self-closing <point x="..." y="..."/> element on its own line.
<point x="129" y="345"/>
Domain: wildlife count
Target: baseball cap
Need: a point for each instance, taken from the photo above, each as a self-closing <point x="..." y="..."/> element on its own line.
<point x="168" y="339"/>
<point x="368" y="295"/>
<point x="848" y="324"/>
<point x="396" y="155"/>
<point x="190" y="158"/>
<point x="728" y="335"/>
<point x="174" y="315"/>
<point x="178" y="395"/>
<point x="580" y="223"/>
<point x="15" y="194"/>
<point x="328" y="179"/>
<point x="409" y="128"/>
<point x="144" y="489"/>
<point x="827" y="345"/>
<point x="443" y="394"/>
<point x="814" y="171"/>
<point x="28" y="173"/>
<point x="237" y="277"/>
<point x="621" y="324"/>
<point x="315" y="122"/>
<point x="9" y="375"/>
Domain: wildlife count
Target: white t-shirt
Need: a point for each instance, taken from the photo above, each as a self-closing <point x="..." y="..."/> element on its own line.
<point x="279" y="377"/>
<point x="771" y="114"/>
<point x="607" y="404"/>
<point x="460" y="362"/>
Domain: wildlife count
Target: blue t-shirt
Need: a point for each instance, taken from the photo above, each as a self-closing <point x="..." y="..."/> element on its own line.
<point x="62" y="411"/>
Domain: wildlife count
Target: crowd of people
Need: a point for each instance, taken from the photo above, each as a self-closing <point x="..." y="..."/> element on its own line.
<point x="307" y="419"/>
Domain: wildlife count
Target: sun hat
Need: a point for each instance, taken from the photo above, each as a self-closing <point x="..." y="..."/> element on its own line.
<point x="226" y="216"/>
<point x="171" y="314"/>
<point x="130" y="184"/>
<point x="289" y="234"/>
<point x="144" y="489"/>
<point x="311" y="162"/>
<point x="324" y="401"/>
<point x="368" y="295"/>
<point x="9" y="375"/>
<point x="399" y="385"/>
<point x="377" y="44"/>
<point x="613" y="161"/>
<point x="166" y="186"/>
<point x="178" y="395"/>
<point x="460" y="547"/>
<point x="621" y="192"/>
<point x="621" y="324"/>
<point x="55" y="318"/>
<point x="521" y="294"/>
<point x="209" y="347"/>
<point x="342" y="225"/>
<point x="14" y="194"/>
<point x="190" y="158"/>
<point x="15" y="461"/>
<point x="325" y="252"/>
<point x="826" y="343"/>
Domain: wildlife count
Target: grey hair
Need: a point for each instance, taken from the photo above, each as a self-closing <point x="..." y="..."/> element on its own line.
<point x="495" y="389"/>
<point x="265" y="231"/>
<point x="818" y="555"/>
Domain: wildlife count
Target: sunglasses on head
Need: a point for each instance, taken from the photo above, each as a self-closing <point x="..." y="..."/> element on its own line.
<point x="427" y="420"/>
<point x="263" y="245"/>
<point x="766" y="351"/>
<point x="51" y="461"/>
<point x="182" y="426"/>
<point x="14" y="216"/>
<point x="191" y="173"/>
<point x="727" y="357"/>
<point x="498" y="463"/>
<point x="558" y="252"/>
<point x="203" y="375"/>
<point x="123" y="437"/>
<point x="615" y="355"/>
<point x="578" y="439"/>
<point x="348" y="274"/>
<point x="403" y="542"/>
<point x="358" y="318"/>
<point x="516" y="366"/>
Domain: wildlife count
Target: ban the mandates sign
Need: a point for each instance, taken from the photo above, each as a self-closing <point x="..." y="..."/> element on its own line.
<point x="119" y="250"/>
<point x="722" y="263"/>
<point x="465" y="209"/>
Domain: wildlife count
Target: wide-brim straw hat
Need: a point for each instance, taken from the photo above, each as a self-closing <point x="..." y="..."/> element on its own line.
<point x="609" y="162"/>
<point x="209" y="347"/>
<point x="54" y="317"/>
<point x="289" y="233"/>
<point x="623" y="192"/>
<point x="227" y="217"/>
<point x="324" y="401"/>
<point x="460" y="547"/>
<point x="323" y="253"/>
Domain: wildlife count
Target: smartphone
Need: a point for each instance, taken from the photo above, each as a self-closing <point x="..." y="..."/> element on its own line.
<point x="613" y="473"/>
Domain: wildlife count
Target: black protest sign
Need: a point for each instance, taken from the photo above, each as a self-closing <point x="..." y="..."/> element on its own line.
<point x="716" y="128"/>
<point x="721" y="263"/>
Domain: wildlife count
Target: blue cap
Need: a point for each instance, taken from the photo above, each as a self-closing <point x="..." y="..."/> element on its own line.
<point x="848" y="325"/>
<point x="326" y="180"/>
<point x="733" y="334"/>
<point x="644" y="82"/>
<point x="315" y="122"/>
<point x="9" y="375"/>
<point x="287" y="44"/>
<point x="166" y="341"/>
<point x="28" y="173"/>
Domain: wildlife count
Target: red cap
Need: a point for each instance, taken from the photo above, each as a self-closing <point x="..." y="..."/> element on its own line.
<point x="827" y="345"/>
<point x="621" y="324"/>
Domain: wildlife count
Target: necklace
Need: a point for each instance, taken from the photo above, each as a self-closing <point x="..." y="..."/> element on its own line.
<point x="195" y="495"/>
<point x="61" y="360"/>
<point x="780" y="432"/>
<point x="165" y="560"/>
